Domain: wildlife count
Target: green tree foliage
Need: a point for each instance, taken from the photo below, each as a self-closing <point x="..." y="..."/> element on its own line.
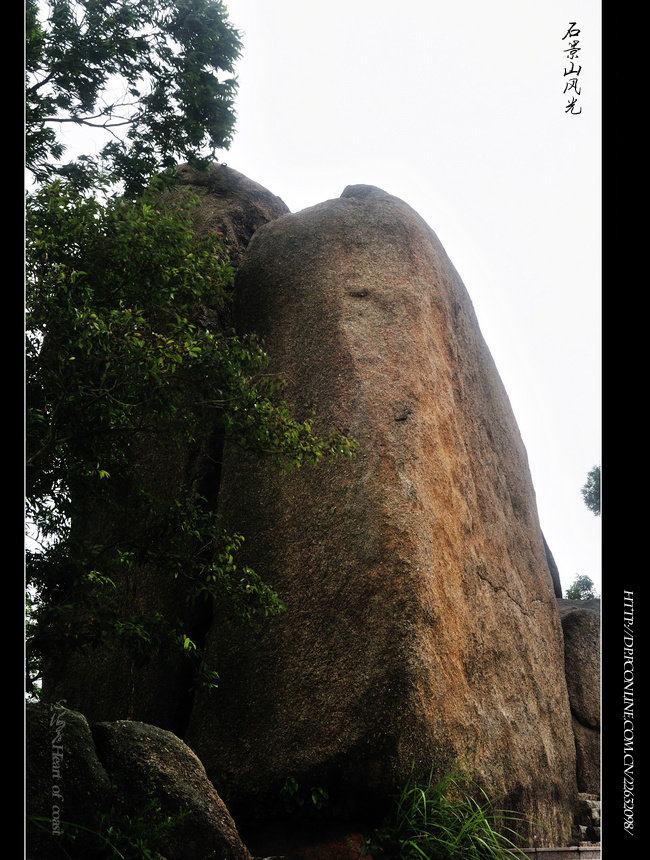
<point x="115" y="364"/>
<point x="119" y="358"/>
<point x="591" y="491"/>
<point x="582" y="588"/>
<point x="153" y="76"/>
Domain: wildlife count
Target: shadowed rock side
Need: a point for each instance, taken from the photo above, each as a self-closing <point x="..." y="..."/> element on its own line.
<point x="65" y="781"/>
<point x="139" y="780"/>
<point x="421" y="622"/>
<point x="552" y="566"/>
<point x="107" y="684"/>
<point x="581" y="627"/>
<point x="230" y="203"/>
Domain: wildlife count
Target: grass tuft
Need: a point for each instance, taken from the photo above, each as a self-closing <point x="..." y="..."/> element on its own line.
<point x="452" y="818"/>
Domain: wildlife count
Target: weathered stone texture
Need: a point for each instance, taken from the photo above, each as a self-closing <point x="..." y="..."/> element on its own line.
<point x="421" y="622"/>
<point x="552" y="566"/>
<point x="587" y="757"/>
<point x="581" y="628"/>
<point x="146" y="761"/>
<point x="133" y="775"/>
<point x="231" y="204"/>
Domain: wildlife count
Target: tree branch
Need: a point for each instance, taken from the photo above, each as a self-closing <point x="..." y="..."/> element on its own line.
<point x="42" y="83"/>
<point x="80" y="121"/>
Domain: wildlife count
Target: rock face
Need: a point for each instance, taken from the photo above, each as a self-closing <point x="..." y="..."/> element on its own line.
<point x="143" y="758"/>
<point x="107" y="684"/>
<point x="581" y="627"/>
<point x="230" y="203"/>
<point x="137" y="775"/>
<point x="421" y="622"/>
<point x="552" y="566"/>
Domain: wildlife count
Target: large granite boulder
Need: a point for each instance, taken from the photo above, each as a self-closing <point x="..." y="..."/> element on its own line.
<point x="107" y="683"/>
<point x="581" y="627"/>
<point x="421" y="624"/>
<point x="126" y="783"/>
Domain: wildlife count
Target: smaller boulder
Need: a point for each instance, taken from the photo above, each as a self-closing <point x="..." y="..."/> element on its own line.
<point x="121" y="784"/>
<point x="144" y="762"/>
<point x="230" y="204"/>
<point x="581" y="627"/>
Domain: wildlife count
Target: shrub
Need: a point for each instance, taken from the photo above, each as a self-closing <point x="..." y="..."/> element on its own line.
<point x="449" y="819"/>
<point x="119" y="834"/>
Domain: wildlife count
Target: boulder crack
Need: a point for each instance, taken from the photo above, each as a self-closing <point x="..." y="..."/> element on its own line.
<point x="504" y="589"/>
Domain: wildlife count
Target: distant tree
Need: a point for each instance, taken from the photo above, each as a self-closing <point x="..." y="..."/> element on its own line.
<point x="582" y="588"/>
<point x="154" y="77"/>
<point x="591" y="491"/>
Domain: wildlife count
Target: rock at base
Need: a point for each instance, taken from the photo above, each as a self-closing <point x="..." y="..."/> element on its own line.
<point x="124" y="782"/>
<point x="581" y="628"/>
<point x="66" y="782"/>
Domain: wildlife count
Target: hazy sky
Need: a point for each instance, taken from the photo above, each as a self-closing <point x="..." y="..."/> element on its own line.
<point x="458" y="108"/>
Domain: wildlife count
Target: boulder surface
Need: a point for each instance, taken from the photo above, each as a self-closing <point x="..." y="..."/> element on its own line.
<point x="581" y="627"/>
<point x="231" y="204"/>
<point x="552" y="566"/>
<point x="145" y="761"/>
<point x="421" y="623"/>
<point x="125" y="782"/>
<point x="66" y="782"/>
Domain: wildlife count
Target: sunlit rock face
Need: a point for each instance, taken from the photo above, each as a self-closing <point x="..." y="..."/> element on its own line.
<point x="421" y="623"/>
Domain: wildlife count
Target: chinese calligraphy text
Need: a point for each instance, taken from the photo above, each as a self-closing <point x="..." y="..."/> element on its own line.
<point x="572" y="73"/>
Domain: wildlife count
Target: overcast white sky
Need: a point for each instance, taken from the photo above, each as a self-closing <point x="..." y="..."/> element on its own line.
<point x="458" y="107"/>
